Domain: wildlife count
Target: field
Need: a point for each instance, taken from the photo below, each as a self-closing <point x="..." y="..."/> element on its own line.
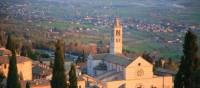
<point x="134" y="41"/>
<point x="147" y="10"/>
<point x="153" y="11"/>
<point x="62" y="25"/>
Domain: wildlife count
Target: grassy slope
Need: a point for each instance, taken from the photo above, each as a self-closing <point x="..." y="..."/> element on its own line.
<point x="135" y="41"/>
<point x="63" y="25"/>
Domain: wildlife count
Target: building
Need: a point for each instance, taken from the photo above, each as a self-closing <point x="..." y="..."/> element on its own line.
<point x="45" y="83"/>
<point x="24" y="65"/>
<point x="41" y="71"/>
<point x="114" y="70"/>
<point x="116" y="38"/>
<point x="42" y="74"/>
<point x="5" y="52"/>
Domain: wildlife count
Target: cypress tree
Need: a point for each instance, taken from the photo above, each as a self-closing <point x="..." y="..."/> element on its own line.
<point x="2" y="41"/>
<point x="28" y="85"/>
<point x="24" y="51"/>
<point x="27" y="50"/>
<point x="13" y="77"/>
<point x="179" y="82"/>
<point x="72" y="77"/>
<point x="51" y="64"/>
<point x="189" y="62"/>
<point x="2" y="77"/>
<point x="196" y="79"/>
<point x="9" y="42"/>
<point x="59" y="76"/>
<point x="83" y="56"/>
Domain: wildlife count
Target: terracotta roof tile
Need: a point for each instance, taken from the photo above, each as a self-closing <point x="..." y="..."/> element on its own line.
<point x="20" y="59"/>
<point x="116" y="59"/>
<point x="5" y="51"/>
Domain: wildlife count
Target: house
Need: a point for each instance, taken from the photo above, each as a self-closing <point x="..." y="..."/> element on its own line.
<point x="24" y="65"/>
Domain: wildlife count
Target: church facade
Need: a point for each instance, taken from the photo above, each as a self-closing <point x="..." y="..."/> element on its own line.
<point x="114" y="70"/>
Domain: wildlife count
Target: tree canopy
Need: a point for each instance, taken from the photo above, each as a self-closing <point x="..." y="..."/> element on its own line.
<point x="13" y="77"/>
<point x="59" y="76"/>
<point x="72" y="77"/>
<point x="189" y="62"/>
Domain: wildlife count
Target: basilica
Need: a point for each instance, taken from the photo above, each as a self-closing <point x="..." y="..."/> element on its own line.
<point x="115" y="70"/>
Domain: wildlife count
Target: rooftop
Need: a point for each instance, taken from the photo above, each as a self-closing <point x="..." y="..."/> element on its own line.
<point x="116" y="59"/>
<point x="110" y="75"/>
<point x="20" y="59"/>
<point x="5" y="52"/>
<point x="119" y="59"/>
<point x="41" y="70"/>
<point x="100" y="56"/>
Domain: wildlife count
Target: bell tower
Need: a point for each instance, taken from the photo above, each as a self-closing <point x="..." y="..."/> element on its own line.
<point x="116" y="38"/>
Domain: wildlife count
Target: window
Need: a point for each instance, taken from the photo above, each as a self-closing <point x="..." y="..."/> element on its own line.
<point x="117" y="40"/>
<point x="139" y="64"/>
<point x="139" y="86"/>
<point x="140" y="72"/>
<point x="117" y="32"/>
<point x="153" y="86"/>
<point x="5" y="66"/>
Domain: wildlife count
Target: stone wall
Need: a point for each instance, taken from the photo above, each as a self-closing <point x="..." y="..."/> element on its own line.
<point x="157" y="82"/>
<point x="24" y="70"/>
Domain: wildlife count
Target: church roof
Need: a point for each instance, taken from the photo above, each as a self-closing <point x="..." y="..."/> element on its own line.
<point x="101" y="66"/>
<point x="117" y="22"/>
<point x="5" y="52"/>
<point x="110" y="75"/>
<point x="117" y="59"/>
<point x="99" y="56"/>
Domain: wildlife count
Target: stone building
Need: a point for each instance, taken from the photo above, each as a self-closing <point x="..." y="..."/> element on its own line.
<point x="24" y="65"/>
<point x="43" y="83"/>
<point x="115" y="70"/>
<point x="41" y="71"/>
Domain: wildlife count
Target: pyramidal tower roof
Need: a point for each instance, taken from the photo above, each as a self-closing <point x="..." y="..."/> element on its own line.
<point x="117" y="22"/>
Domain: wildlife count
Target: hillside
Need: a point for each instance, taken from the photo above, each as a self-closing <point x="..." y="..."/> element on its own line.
<point x="36" y="19"/>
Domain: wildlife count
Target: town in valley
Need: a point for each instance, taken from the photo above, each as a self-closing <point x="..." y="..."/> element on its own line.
<point x="100" y="44"/>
